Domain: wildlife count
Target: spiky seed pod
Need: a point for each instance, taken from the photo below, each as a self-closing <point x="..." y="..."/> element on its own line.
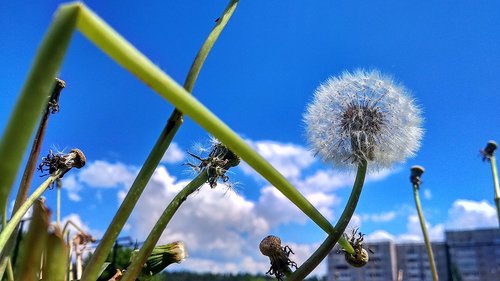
<point x="363" y="116"/>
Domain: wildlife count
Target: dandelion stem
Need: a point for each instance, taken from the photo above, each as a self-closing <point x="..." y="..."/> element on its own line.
<point x="495" y="184"/>
<point x="29" y="170"/>
<point x="312" y="262"/>
<point x="163" y="142"/>
<point x="134" y="269"/>
<point x="16" y="218"/>
<point x="428" y="247"/>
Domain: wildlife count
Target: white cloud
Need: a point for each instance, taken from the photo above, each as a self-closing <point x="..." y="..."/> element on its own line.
<point x="102" y="174"/>
<point x="471" y="214"/>
<point x="74" y="219"/>
<point x="380" y="235"/>
<point x="174" y="154"/>
<point x="221" y="228"/>
<point x="288" y="159"/>
<point x="380" y="217"/>
<point x="427" y="194"/>
<point x="326" y="180"/>
<point x="72" y="187"/>
<point x="414" y="231"/>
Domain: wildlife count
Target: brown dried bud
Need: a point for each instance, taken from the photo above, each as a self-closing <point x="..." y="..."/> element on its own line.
<point x="270" y="245"/>
<point x="416" y="173"/>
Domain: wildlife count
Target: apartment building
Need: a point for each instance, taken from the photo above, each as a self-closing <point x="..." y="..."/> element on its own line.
<point x="471" y="255"/>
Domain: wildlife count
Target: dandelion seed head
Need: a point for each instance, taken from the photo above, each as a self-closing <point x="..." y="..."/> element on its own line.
<point x="363" y="116"/>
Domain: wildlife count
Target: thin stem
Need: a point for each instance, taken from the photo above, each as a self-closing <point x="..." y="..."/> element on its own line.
<point x="163" y="142"/>
<point x="326" y="247"/>
<point x="428" y="247"/>
<point x="139" y="260"/>
<point x="495" y="184"/>
<point x="29" y="170"/>
<point x="16" y="218"/>
<point x="69" y="222"/>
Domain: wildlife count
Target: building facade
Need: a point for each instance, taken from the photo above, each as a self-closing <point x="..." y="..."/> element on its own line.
<point x="472" y="255"/>
<point x="475" y="255"/>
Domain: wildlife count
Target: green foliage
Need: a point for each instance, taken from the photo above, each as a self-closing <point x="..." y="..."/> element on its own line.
<point x="119" y="260"/>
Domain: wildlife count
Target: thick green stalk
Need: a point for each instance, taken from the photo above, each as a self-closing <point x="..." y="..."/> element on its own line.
<point x="131" y="59"/>
<point x="139" y="260"/>
<point x="495" y="184"/>
<point x="56" y="257"/>
<point x="33" y="97"/>
<point x="428" y="247"/>
<point x="16" y="218"/>
<point x="319" y="255"/>
<point x="163" y="142"/>
<point x="34" y="243"/>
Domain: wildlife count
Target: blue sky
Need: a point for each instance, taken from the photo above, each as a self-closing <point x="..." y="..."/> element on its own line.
<point x="259" y="78"/>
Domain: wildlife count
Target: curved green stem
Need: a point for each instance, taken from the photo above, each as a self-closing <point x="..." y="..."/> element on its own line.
<point x="319" y="255"/>
<point x="139" y="260"/>
<point x="427" y="242"/>
<point x="495" y="184"/>
<point x="163" y="142"/>
<point x="16" y="218"/>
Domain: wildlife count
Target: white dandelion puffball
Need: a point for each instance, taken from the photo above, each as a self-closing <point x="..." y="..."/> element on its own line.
<point x="363" y="116"/>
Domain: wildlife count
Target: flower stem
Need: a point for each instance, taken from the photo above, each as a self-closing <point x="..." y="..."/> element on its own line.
<point x="16" y="218"/>
<point x="432" y="263"/>
<point x="134" y="269"/>
<point x="495" y="184"/>
<point x="163" y="142"/>
<point x="319" y="255"/>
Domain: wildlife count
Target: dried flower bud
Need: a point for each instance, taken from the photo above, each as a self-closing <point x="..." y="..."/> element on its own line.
<point x="416" y="173"/>
<point x="278" y="255"/>
<point x="62" y="163"/>
<point x="219" y="161"/>
<point x="53" y="104"/>
<point x="489" y="150"/>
